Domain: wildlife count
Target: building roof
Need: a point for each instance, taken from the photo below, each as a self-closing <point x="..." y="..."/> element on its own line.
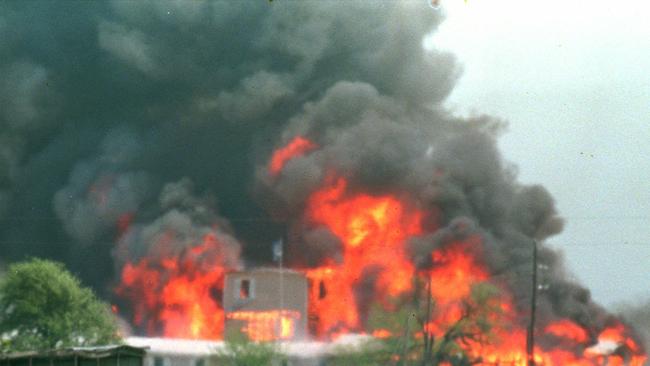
<point x="201" y="348"/>
<point x="139" y="346"/>
<point x="175" y="346"/>
<point x="86" y="352"/>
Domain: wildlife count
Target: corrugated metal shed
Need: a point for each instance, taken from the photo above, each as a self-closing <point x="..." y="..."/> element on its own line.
<point x="110" y="355"/>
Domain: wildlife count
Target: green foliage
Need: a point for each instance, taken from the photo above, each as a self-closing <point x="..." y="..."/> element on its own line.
<point x="244" y="353"/>
<point x="479" y="314"/>
<point x="43" y="306"/>
<point x="400" y="316"/>
<point x="371" y="353"/>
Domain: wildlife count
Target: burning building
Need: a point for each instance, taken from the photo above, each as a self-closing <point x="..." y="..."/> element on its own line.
<point x="225" y="124"/>
<point x="266" y="304"/>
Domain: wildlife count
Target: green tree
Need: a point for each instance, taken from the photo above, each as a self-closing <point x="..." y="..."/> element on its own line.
<point x="43" y="306"/>
<point x="244" y="353"/>
<point x="479" y="312"/>
<point x="371" y="353"/>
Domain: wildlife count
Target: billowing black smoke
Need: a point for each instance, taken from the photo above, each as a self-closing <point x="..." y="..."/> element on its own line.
<point x="104" y="104"/>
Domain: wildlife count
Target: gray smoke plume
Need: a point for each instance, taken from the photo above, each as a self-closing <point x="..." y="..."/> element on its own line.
<point x="383" y="145"/>
<point x="183" y="223"/>
<point x="106" y="106"/>
<point x="102" y="191"/>
<point x="203" y="89"/>
<point x="638" y="314"/>
<point x="187" y="231"/>
<point x="26" y="103"/>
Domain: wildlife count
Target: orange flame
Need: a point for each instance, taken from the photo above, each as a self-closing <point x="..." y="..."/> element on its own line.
<point x="381" y="333"/>
<point x="270" y="325"/>
<point x="616" y="347"/>
<point x="567" y="329"/>
<point x="173" y="292"/>
<point x="373" y="231"/>
<point x="455" y="271"/>
<point x="172" y="295"/>
<point x="297" y="147"/>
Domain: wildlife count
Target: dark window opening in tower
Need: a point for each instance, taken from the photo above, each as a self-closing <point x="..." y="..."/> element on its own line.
<point x="245" y="289"/>
<point x="322" y="290"/>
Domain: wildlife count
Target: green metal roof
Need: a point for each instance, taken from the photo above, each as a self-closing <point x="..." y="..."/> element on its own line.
<point x="86" y="352"/>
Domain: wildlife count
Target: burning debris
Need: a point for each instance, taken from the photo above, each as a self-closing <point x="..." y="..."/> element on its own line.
<point x="392" y="240"/>
<point x="320" y="122"/>
<point x="266" y="304"/>
<point x="373" y="231"/>
<point x="172" y="270"/>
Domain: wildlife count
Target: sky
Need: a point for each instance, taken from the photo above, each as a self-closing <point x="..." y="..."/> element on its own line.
<point x="571" y="80"/>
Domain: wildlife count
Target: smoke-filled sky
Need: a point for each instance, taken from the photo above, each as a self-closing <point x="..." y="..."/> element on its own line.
<point x="152" y="115"/>
<point x="122" y="120"/>
<point x="571" y="79"/>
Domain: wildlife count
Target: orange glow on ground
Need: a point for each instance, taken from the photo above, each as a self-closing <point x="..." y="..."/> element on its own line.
<point x="381" y="333"/>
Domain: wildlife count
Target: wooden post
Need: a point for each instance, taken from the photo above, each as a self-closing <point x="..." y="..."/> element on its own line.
<point x="429" y="339"/>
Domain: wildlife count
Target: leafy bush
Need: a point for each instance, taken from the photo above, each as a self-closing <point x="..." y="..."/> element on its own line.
<point x="43" y="306"/>
<point x="245" y="353"/>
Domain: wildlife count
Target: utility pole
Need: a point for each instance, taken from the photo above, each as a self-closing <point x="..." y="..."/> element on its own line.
<point x="530" y="339"/>
<point x="429" y="310"/>
<point x="428" y="337"/>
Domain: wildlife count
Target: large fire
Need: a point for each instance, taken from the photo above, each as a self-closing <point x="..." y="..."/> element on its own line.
<point x="179" y="293"/>
<point x="375" y="267"/>
<point x="373" y="231"/>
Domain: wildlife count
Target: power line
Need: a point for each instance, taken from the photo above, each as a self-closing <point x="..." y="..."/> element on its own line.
<point x="599" y="244"/>
<point x="613" y="217"/>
